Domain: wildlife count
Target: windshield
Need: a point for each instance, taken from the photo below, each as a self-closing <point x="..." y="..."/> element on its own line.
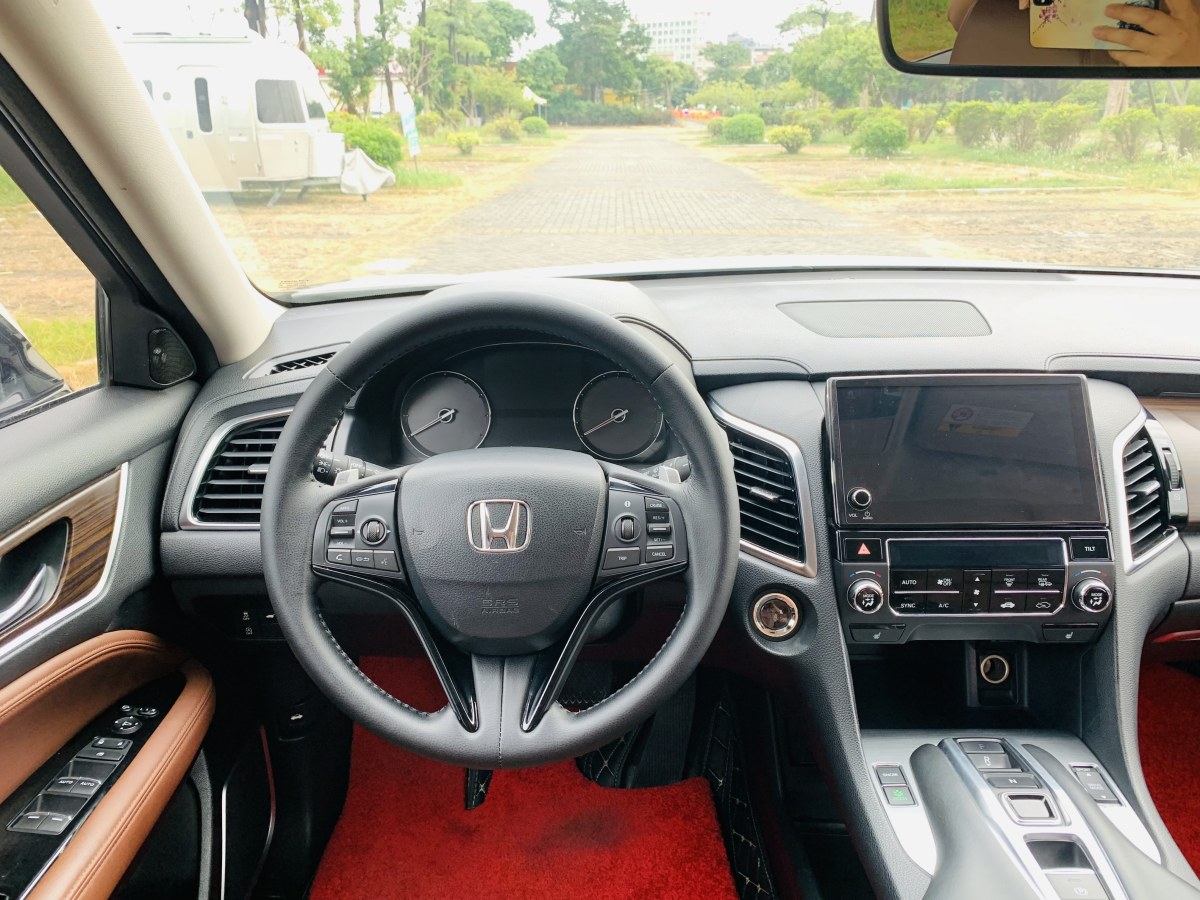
<point x="350" y="145"/>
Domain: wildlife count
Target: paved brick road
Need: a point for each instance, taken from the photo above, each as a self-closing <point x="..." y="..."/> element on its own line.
<point x="635" y="194"/>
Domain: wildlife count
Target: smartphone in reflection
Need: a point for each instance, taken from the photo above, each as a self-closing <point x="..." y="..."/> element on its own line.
<point x="1068" y="24"/>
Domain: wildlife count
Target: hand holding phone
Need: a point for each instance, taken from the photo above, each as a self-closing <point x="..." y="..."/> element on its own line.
<point x="1153" y="37"/>
<point x="1083" y="24"/>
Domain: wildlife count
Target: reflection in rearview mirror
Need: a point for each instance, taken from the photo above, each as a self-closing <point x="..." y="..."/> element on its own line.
<point x="1134" y="39"/>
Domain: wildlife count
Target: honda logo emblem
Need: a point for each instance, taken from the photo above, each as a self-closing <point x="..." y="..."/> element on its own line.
<point x="499" y="526"/>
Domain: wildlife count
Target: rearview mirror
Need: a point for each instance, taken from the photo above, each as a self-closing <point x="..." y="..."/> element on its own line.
<point x="1043" y="38"/>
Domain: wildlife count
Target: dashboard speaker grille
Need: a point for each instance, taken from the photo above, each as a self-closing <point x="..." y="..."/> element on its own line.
<point x="301" y="362"/>
<point x="1146" y="500"/>
<point x="767" y="495"/>
<point x="232" y="487"/>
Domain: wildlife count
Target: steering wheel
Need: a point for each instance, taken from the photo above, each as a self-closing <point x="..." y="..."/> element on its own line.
<point x="501" y="559"/>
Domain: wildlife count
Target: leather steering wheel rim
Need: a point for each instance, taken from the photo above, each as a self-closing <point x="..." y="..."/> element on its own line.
<point x="293" y="498"/>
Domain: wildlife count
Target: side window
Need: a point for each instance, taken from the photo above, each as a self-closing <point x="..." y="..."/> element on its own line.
<point x="203" y="110"/>
<point x="278" y="102"/>
<point x="47" y="310"/>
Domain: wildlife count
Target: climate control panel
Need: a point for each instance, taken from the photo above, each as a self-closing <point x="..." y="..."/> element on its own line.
<point x="1045" y="587"/>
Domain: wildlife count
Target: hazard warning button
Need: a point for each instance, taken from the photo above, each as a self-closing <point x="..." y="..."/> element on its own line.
<point x="862" y="549"/>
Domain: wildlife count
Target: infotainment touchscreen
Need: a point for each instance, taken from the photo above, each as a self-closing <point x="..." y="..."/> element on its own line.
<point x="963" y="450"/>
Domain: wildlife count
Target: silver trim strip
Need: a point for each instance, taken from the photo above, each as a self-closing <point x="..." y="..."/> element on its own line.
<point x="188" y="521"/>
<point x="1130" y="564"/>
<point x="23" y="638"/>
<point x="807" y="566"/>
<point x="263" y="369"/>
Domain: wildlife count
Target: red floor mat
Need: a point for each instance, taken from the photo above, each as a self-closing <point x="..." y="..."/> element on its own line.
<point x="1168" y="731"/>
<point x="545" y="832"/>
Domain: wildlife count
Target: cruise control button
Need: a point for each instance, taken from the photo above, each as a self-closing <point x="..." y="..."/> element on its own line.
<point x="655" y="504"/>
<point x="622" y="557"/>
<point x="658" y="530"/>
<point x="660" y="552"/>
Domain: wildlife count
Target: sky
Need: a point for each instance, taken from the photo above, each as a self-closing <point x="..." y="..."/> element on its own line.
<point x="755" y="19"/>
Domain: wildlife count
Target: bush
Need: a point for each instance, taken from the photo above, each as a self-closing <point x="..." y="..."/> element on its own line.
<point x="920" y="122"/>
<point x="1021" y="124"/>
<point x="771" y="115"/>
<point x="1183" y="126"/>
<point x="847" y="120"/>
<point x="508" y="130"/>
<point x="535" y="125"/>
<point x="815" y="121"/>
<point x="973" y="123"/>
<point x="1129" y="130"/>
<point x="716" y="126"/>
<point x="880" y="137"/>
<point x="745" y="128"/>
<point x="1059" y="126"/>
<point x="455" y="118"/>
<point x="570" y="110"/>
<point x="790" y="137"/>
<point x="375" y="139"/>
<point x="428" y="124"/>
<point x="464" y="141"/>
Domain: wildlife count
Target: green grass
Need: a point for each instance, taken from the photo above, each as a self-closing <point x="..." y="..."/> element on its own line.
<point x="423" y="179"/>
<point x="920" y="27"/>
<point x="904" y="181"/>
<point x="68" y="344"/>
<point x="10" y="194"/>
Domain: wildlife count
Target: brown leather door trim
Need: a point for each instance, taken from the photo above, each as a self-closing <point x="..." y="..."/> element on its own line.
<point x="95" y="859"/>
<point x="92" y="515"/>
<point x="44" y="708"/>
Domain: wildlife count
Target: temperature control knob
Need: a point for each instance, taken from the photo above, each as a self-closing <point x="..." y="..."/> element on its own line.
<point x="1091" y="595"/>
<point x="865" y="595"/>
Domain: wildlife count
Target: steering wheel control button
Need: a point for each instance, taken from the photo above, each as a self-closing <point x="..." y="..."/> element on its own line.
<point x="373" y="531"/>
<point x="1091" y="595"/>
<point x="859" y="498"/>
<point x="362" y="559"/>
<point x="866" y="595"/>
<point x="876" y="634"/>
<point x="385" y="560"/>
<point x="627" y="529"/>
<point x="341" y="520"/>
<point x="659" y="531"/>
<point x="342" y="531"/>
<point x="622" y="557"/>
<point x="862" y="549"/>
<point x="659" y="553"/>
<point x="346" y="506"/>
<point x="775" y="616"/>
<point x="338" y="557"/>
<point x="124" y="725"/>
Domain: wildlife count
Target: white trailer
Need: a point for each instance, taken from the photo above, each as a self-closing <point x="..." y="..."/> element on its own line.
<point x="246" y="112"/>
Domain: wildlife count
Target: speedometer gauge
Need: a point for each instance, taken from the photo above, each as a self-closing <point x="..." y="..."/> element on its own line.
<point x="445" y="411"/>
<point x="616" y="418"/>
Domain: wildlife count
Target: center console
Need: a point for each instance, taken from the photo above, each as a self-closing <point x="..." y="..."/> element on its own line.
<point x="968" y="507"/>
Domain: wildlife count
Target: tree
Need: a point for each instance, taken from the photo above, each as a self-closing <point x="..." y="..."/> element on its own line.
<point x="255" y="12"/>
<point x="665" y="79"/>
<point x="815" y="17"/>
<point x="600" y="44"/>
<point x="501" y="25"/>
<point x="386" y="25"/>
<point x="311" y="18"/>
<point x="542" y="70"/>
<point x="497" y="92"/>
<point x="351" y="70"/>
<point x="729" y="61"/>
<point x="843" y="61"/>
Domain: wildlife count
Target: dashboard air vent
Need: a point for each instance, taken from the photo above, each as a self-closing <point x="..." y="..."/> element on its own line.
<point x="301" y="362"/>
<point x="767" y="495"/>
<point x="1146" y="500"/>
<point x="230" y="493"/>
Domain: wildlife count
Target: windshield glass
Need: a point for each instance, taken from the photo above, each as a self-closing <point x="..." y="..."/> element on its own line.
<point x="346" y="146"/>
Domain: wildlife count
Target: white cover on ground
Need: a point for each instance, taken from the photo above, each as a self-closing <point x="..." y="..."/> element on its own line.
<point x="362" y="175"/>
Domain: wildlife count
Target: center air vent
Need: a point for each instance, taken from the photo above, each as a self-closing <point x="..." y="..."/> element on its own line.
<point x="230" y="491"/>
<point x="1146" y="500"/>
<point x="768" y="499"/>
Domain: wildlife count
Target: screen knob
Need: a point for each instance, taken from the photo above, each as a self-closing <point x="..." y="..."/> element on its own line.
<point x="1091" y="595"/>
<point x="866" y="595"/>
<point x="859" y="498"/>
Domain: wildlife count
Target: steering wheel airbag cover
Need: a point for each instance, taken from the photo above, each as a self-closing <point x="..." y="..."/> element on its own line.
<point x="292" y="498"/>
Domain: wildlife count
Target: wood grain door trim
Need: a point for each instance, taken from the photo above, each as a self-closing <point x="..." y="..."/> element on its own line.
<point x="93" y="517"/>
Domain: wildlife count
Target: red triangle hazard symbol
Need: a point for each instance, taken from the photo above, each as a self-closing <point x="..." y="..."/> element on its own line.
<point x="864" y="550"/>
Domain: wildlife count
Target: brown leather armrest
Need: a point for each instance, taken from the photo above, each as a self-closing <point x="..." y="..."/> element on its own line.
<point x="45" y="707"/>
<point x="95" y="859"/>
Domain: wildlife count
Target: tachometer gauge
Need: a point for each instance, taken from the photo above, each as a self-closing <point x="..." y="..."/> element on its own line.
<point x="616" y="418"/>
<point x="445" y="411"/>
